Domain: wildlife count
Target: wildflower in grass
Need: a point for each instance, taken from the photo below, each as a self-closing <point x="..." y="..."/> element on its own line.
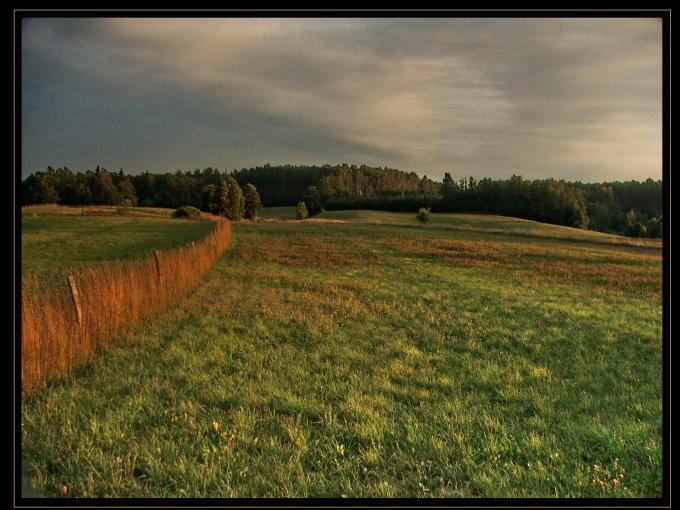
<point x="64" y="490"/>
<point x="215" y="426"/>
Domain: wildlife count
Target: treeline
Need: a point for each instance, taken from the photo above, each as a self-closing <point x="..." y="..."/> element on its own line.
<point x="285" y="184"/>
<point x="208" y="190"/>
<point x="631" y="208"/>
<point x="549" y="201"/>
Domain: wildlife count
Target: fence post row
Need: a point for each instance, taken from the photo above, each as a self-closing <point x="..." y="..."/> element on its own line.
<point x="74" y="295"/>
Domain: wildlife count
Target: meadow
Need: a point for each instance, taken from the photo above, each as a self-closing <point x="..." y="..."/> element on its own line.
<point x="56" y="239"/>
<point x="362" y="355"/>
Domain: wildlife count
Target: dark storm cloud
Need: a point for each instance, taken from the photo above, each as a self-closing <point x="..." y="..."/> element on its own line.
<point x="578" y="99"/>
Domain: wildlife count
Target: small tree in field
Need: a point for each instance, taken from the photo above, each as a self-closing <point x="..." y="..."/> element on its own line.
<point x="302" y="212"/>
<point x="424" y="215"/>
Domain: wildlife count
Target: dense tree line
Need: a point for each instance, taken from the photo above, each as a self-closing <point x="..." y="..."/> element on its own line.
<point x="286" y="184"/>
<point x="208" y="190"/>
<point x="632" y="208"/>
<point x="548" y="200"/>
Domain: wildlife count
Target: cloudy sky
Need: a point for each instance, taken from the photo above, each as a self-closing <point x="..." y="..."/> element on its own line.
<point x="578" y="99"/>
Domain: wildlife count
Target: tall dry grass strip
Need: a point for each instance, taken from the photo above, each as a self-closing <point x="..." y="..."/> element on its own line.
<point x="53" y="339"/>
<point x="157" y="254"/>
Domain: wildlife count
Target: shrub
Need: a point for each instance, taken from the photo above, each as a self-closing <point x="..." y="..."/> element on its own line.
<point x="302" y="212"/>
<point x="187" y="211"/>
<point x="424" y="215"/>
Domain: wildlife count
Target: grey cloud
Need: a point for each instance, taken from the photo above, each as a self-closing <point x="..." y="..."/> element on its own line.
<point x="483" y="97"/>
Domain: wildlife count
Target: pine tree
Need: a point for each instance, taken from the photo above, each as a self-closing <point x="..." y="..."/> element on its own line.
<point x="126" y="191"/>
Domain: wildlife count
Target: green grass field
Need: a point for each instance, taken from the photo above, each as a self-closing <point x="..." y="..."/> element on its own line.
<point x="279" y="213"/>
<point x="55" y="239"/>
<point x="374" y="359"/>
<point x="489" y="224"/>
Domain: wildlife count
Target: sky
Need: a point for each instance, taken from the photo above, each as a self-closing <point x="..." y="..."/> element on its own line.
<point x="573" y="99"/>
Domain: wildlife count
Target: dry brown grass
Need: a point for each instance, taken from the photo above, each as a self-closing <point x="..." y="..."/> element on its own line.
<point x="112" y="296"/>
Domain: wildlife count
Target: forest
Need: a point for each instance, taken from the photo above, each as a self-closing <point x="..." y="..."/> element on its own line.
<point x="630" y="208"/>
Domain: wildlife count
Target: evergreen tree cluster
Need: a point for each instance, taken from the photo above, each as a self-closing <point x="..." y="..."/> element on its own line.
<point x="285" y="185"/>
<point x="631" y="208"/>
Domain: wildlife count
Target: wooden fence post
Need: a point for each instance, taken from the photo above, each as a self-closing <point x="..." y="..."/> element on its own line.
<point x="74" y="295"/>
<point x="158" y="265"/>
